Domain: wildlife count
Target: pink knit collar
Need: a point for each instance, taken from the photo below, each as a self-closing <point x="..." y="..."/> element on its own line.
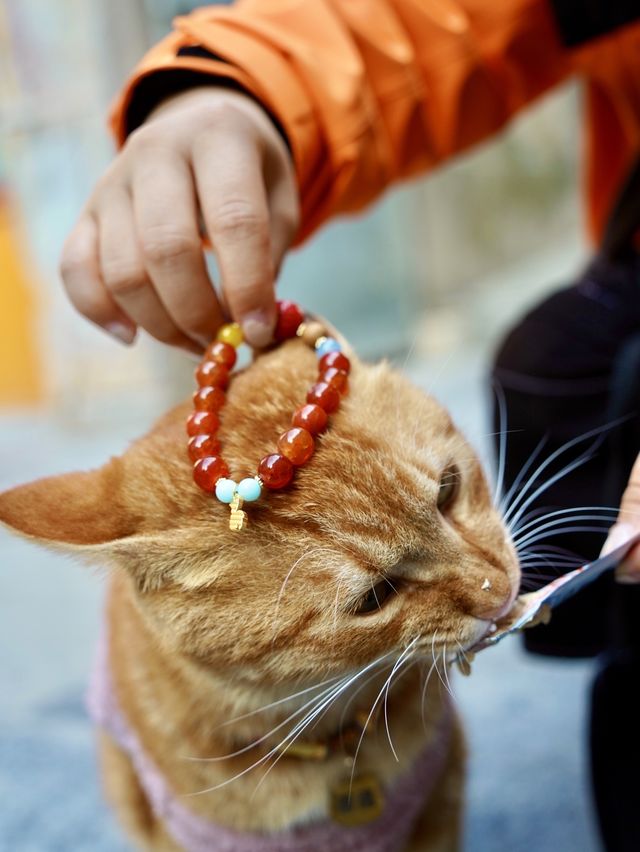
<point x="389" y="833"/>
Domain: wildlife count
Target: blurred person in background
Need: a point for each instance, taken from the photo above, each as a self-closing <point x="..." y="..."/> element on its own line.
<point x="253" y="125"/>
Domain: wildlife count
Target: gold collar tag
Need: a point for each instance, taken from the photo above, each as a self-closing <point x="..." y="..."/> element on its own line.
<point x="358" y="802"/>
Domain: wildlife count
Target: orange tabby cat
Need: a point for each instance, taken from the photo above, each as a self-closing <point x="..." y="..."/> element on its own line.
<point x="230" y="646"/>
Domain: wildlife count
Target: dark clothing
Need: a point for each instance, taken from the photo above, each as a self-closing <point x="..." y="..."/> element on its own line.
<point x="573" y="365"/>
<point x="582" y="20"/>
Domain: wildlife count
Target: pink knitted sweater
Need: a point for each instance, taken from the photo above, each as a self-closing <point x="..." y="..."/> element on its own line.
<point x="389" y="833"/>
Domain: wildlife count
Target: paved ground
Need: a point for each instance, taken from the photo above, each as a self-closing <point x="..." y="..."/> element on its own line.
<point x="525" y="717"/>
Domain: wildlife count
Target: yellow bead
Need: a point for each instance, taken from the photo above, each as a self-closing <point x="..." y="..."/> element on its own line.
<point x="230" y="333"/>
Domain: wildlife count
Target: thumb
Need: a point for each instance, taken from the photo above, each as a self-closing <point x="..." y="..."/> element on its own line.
<point x="626" y="526"/>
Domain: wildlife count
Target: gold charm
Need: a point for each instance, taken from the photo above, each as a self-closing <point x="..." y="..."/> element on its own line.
<point x="238" y="517"/>
<point x="357" y="803"/>
<point x="303" y="750"/>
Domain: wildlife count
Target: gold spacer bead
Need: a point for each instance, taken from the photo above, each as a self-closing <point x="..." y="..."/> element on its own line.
<point x="230" y="333"/>
<point x="313" y="331"/>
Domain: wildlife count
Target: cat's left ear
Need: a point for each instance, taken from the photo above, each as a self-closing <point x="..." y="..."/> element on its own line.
<point x="73" y="509"/>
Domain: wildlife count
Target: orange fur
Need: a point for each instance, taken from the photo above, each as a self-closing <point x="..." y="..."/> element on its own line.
<point x="207" y="625"/>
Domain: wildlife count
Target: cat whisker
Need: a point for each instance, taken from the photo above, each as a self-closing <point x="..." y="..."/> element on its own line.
<point x="445" y="671"/>
<point x="506" y="500"/>
<point x="335" y="606"/>
<point x="552" y="550"/>
<point x="279" y="701"/>
<point x="604" y="510"/>
<point x="512" y="522"/>
<point x="399" y="664"/>
<point x="424" y="693"/>
<point x="436" y="657"/>
<point x="533" y="583"/>
<point x="264" y="737"/>
<point x="311" y="717"/>
<point x="541" y="536"/>
<point x="502" y="444"/>
<point x="549" y="558"/>
<point x="295" y="732"/>
<point x="582" y="458"/>
<point x="306" y="555"/>
<point x="407" y="650"/>
<point x="353" y="697"/>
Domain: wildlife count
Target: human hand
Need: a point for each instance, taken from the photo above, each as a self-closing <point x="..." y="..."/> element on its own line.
<point x="627" y="525"/>
<point x="134" y="258"/>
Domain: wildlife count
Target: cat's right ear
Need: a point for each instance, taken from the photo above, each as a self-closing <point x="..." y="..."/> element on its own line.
<point x="73" y="509"/>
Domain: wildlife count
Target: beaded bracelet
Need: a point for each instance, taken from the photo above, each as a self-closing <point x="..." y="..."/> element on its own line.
<point x="295" y="446"/>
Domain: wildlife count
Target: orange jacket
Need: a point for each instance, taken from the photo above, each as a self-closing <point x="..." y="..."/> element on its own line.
<point x="369" y="92"/>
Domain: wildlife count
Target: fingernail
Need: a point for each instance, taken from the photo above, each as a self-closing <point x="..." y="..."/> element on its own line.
<point x="258" y="329"/>
<point x="627" y="573"/>
<point x="124" y="333"/>
<point x="618" y="534"/>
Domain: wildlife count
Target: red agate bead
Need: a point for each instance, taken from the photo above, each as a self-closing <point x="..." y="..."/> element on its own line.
<point x="209" y="399"/>
<point x="203" y="445"/>
<point x="275" y="471"/>
<point x="207" y="471"/>
<point x="212" y="374"/>
<point x="338" y="379"/>
<point x="324" y="395"/>
<point x="289" y="318"/>
<point x="335" y="359"/>
<point x="202" y="423"/>
<point x="222" y="353"/>
<point x="297" y="445"/>
<point x="310" y="417"/>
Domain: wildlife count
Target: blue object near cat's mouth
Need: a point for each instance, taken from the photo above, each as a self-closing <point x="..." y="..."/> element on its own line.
<point x="534" y="607"/>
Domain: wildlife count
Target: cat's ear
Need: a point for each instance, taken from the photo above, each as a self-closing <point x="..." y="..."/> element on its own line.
<point x="101" y="518"/>
<point x="74" y="509"/>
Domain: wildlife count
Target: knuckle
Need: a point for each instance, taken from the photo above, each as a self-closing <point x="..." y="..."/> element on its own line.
<point x="163" y="246"/>
<point x="72" y="264"/>
<point x="75" y="258"/>
<point x="191" y="321"/>
<point x="141" y="139"/>
<point x="239" y="220"/>
<point x="90" y="302"/>
<point x="122" y="278"/>
<point x="169" y="335"/>
<point x="250" y="294"/>
<point x="221" y="114"/>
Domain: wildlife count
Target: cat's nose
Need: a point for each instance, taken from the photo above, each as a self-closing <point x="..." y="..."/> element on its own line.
<point x="495" y="598"/>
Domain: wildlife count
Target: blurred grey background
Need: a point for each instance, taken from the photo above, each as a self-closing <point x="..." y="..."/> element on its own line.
<point x="431" y="277"/>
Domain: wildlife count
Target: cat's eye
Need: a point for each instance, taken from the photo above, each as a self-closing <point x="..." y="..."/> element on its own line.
<point x="449" y="483"/>
<point x="375" y="598"/>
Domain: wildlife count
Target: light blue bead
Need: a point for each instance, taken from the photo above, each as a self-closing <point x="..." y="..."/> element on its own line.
<point x="249" y="489"/>
<point x="225" y="489"/>
<point x="328" y="345"/>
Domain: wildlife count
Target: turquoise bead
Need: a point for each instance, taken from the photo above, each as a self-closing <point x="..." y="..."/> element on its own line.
<point x="328" y="345"/>
<point x="249" y="489"/>
<point x="225" y="489"/>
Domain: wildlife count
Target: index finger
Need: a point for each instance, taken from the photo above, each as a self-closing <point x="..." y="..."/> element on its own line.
<point x="233" y="200"/>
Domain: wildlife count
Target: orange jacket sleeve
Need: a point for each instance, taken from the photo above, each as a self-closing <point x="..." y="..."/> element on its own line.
<point x="369" y="92"/>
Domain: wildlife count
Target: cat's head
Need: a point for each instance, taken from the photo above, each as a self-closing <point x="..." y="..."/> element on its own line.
<point x="388" y="535"/>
